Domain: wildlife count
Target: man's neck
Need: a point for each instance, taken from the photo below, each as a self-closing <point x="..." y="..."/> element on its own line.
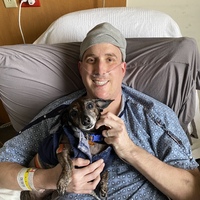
<point x="115" y="106"/>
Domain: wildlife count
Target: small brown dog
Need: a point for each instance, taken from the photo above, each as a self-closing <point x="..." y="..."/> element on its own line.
<point x="79" y="118"/>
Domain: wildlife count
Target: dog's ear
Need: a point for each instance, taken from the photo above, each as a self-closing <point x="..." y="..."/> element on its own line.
<point x="101" y="103"/>
<point x="64" y="116"/>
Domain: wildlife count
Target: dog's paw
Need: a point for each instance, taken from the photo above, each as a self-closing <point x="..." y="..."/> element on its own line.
<point x="63" y="184"/>
<point x="61" y="187"/>
<point x="103" y="193"/>
<point x="104" y="185"/>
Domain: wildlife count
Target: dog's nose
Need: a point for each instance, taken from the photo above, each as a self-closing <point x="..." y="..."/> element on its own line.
<point x="86" y="120"/>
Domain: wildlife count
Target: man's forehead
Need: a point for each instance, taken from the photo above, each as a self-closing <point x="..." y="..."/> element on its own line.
<point x="96" y="55"/>
<point x="103" y="49"/>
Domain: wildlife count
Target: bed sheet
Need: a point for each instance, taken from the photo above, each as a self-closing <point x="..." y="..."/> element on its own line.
<point x="9" y="194"/>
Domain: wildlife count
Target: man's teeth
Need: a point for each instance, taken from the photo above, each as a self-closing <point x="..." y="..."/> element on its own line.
<point x="100" y="82"/>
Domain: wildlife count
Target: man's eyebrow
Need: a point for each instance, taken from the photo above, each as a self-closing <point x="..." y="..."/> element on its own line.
<point x="90" y="55"/>
<point x="94" y="56"/>
<point x="111" y="54"/>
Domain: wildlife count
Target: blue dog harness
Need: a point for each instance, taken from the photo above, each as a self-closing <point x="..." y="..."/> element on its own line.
<point x="79" y="146"/>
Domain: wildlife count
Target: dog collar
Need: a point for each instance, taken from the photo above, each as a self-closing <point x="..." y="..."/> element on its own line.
<point x="94" y="137"/>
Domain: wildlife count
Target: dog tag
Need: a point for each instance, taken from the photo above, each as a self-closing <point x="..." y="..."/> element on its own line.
<point x="60" y="149"/>
<point x="90" y="140"/>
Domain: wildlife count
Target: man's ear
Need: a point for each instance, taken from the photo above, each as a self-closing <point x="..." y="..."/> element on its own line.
<point x="124" y="68"/>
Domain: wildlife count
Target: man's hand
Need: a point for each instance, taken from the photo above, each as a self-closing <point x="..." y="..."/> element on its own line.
<point x="116" y="135"/>
<point x="85" y="176"/>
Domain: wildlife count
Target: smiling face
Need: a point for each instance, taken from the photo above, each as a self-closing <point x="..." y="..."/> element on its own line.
<point x="102" y="71"/>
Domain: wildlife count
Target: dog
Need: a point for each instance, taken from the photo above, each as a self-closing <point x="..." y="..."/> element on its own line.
<point x="81" y="115"/>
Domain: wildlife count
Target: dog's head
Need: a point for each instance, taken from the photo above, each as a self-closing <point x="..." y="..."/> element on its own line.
<point x="83" y="113"/>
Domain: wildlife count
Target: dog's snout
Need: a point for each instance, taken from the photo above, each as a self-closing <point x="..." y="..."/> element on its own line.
<point x="85" y="120"/>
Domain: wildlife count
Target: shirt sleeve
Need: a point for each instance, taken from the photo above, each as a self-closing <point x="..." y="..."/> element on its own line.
<point x="171" y="143"/>
<point x="22" y="148"/>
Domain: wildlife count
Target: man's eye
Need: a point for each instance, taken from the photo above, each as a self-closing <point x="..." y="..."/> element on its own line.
<point x="111" y="60"/>
<point x="74" y="113"/>
<point x="89" y="106"/>
<point x="90" y="60"/>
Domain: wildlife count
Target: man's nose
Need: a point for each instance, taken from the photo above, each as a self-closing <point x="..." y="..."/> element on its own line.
<point x="100" y="68"/>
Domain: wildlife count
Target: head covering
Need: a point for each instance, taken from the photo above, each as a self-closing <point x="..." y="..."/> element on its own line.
<point x="104" y="33"/>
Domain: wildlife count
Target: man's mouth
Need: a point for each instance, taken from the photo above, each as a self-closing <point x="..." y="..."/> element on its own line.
<point x="100" y="83"/>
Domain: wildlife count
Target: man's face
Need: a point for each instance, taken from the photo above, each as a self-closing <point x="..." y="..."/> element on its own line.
<point x="102" y="71"/>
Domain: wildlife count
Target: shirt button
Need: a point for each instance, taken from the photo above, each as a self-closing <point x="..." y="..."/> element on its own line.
<point x="190" y="157"/>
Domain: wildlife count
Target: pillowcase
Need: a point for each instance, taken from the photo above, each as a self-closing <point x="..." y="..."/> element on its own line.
<point x="32" y="76"/>
<point x="132" y="22"/>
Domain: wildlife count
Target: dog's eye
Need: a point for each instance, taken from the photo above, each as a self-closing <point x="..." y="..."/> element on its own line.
<point x="89" y="106"/>
<point x="73" y="113"/>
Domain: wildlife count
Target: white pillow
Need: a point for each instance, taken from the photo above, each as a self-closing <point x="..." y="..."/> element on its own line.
<point x="132" y="22"/>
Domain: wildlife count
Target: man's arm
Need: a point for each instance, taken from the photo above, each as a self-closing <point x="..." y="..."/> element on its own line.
<point x="84" y="179"/>
<point x="174" y="182"/>
<point x="9" y="172"/>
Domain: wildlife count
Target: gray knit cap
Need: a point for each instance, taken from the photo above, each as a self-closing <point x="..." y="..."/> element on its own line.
<point x="104" y="33"/>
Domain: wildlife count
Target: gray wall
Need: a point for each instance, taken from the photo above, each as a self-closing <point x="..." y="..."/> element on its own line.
<point x="185" y="12"/>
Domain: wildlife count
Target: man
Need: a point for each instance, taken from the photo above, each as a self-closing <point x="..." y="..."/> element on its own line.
<point x="153" y="154"/>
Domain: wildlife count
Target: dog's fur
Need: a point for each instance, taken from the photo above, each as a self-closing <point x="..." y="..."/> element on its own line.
<point x="82" y="113"/>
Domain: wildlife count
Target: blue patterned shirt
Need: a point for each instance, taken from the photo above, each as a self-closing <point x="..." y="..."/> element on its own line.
<point x="150" y="125"/>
